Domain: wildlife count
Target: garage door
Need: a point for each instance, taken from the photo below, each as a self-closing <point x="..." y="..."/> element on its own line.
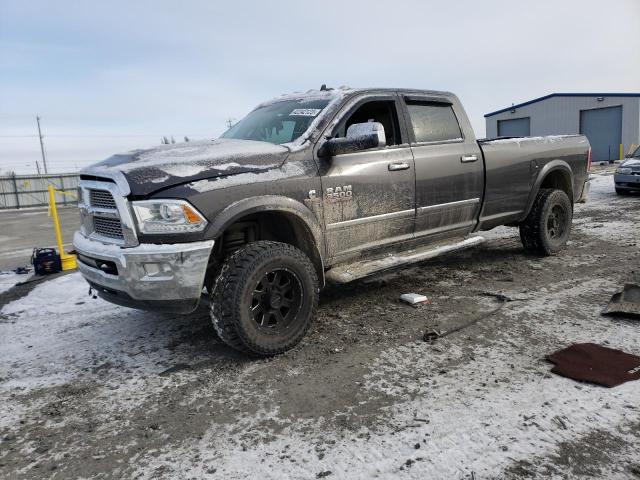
<point x="514" y="127"/>
<point x="603" y="128"/>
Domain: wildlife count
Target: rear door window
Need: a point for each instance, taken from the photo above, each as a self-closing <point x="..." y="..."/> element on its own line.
<point x="433" y="122"/>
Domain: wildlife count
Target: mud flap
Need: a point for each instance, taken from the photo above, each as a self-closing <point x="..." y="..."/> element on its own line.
<point x="625" y="302"/>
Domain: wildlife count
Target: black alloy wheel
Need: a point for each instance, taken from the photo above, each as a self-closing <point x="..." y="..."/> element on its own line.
<point x="264" y="298"/>
<point x="276" y="300"/>
<point x="556" y="222"/>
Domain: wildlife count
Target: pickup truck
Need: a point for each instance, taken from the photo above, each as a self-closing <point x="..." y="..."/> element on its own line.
<point x="328" y="185"/>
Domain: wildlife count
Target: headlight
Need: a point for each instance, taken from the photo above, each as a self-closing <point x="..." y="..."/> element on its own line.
<point x="624" y="171"/>
<point x="167" y="216"/>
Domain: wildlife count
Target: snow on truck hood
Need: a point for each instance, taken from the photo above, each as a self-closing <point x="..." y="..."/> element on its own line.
<point x="149" y="170"/>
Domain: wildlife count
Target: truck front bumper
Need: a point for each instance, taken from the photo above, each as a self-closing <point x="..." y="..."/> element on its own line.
<point x="149" y="276"/>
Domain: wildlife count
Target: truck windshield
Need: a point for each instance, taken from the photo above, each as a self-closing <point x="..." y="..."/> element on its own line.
<point x="636" y="154"/>
<point x="279" y="122"/>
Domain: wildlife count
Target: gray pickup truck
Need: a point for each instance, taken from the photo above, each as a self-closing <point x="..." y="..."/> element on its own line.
<point x="327" y="185"/>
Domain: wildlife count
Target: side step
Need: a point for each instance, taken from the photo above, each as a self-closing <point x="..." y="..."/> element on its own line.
<point x="352" y="271"/>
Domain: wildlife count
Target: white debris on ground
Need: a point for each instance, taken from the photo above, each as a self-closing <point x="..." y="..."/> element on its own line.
<point x="478" y="404"/>
<point x="413" y="298"/>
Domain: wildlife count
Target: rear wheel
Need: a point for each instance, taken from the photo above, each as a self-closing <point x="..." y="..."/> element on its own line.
<point x="264" y="298"/>
<point x="621" y="191"/>
<point x="546" y="229"/>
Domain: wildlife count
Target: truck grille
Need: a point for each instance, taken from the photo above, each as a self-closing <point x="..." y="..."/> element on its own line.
<point x="102" y="199"/>
<point x="104" y="212"/>
<point x="108" y="227"/>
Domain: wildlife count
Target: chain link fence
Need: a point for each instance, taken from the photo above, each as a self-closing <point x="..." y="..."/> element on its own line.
<point x="23" y="191"/>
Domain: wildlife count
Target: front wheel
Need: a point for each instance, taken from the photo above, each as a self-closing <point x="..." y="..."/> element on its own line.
<point x="264" y="298"/>
<point x="546" y="229"/>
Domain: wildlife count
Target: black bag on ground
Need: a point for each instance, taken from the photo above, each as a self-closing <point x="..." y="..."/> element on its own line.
<point x="46" y="261"/>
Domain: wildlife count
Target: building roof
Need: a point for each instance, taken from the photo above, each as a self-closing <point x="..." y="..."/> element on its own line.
<point x="551" y="95"/>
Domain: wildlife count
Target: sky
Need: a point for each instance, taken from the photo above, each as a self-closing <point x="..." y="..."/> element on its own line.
<point x="108" y="77"/>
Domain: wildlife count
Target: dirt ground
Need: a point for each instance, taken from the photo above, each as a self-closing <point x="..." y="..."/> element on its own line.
<point x="92" y="390"/>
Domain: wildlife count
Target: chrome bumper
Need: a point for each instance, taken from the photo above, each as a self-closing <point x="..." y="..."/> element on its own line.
<point x="166" y="277"/>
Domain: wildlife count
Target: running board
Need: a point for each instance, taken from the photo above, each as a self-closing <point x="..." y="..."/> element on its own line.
<point x="352" y="271"/>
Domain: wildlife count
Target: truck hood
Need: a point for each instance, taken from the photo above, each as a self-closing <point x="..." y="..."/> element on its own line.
<point x="147" y="171"/>
<point x="630" y="162"/>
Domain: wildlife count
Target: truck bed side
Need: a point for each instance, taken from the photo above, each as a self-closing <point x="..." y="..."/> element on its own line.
<point x="516" y="168"/>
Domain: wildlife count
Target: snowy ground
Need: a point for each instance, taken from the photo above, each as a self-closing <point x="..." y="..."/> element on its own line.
<point x="92" y="390"/>
<point x="10" y="279"/>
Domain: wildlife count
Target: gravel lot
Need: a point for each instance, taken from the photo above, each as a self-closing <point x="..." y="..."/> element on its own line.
<point x="92" y="390"/>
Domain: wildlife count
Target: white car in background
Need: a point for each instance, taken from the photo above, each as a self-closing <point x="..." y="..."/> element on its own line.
<point x="627" y="176"/>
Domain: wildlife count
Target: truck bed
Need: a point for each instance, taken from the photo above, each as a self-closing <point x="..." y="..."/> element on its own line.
<point x="513" y="165"/>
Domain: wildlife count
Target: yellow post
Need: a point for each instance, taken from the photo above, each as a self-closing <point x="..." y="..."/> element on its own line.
<point x="621" y="152"/>
<point x="68" y="261"/>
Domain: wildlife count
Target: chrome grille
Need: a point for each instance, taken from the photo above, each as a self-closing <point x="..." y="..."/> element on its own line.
<point x="108" y="227"/>
<point x="101" y="199"/>
<point x="104" y="212"/>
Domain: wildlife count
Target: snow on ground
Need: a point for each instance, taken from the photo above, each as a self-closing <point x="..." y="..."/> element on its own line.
<point x="600" y="216"/>
<point x="9" y="279"/>
<point x="59" y="334"/>
<point x="458" y="427"/>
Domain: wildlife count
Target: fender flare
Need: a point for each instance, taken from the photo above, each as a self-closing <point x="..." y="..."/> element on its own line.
<point x="273" y="203"/>
<point x="552" y="166"/>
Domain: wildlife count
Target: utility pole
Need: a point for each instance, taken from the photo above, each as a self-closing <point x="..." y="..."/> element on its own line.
<point x="230" y="122"/>
<point x="44" y="160"/>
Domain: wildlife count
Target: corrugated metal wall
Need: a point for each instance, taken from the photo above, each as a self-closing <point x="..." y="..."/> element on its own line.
<point x="21" y="191"/>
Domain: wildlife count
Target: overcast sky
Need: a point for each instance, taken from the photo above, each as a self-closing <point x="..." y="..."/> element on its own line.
<point x="111" y="76"/>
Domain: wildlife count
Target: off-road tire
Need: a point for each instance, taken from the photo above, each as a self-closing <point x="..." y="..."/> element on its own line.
<point x="537" y="231"/>
<point x="235" y="287"/>
<point x="622" y="191"/>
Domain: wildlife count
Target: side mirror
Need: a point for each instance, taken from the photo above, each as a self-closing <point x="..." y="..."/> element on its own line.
<point x="360" y="136"/>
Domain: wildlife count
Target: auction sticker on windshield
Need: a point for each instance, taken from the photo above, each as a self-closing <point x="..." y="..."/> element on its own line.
<point x="305" y="112"/>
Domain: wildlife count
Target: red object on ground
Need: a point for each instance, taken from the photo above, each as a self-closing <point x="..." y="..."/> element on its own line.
<point x="589" y="362"/>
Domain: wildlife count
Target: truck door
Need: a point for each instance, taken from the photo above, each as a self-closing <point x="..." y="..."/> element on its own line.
<point x="368" y="196"/>
<point x="449" y="167"/>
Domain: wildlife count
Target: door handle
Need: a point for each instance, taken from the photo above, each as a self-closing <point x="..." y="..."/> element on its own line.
<point x="394" y="167"/>
<point x="468" y="158"/>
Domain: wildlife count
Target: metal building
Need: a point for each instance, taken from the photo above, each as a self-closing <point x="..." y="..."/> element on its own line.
<point x="611" y="121"/>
